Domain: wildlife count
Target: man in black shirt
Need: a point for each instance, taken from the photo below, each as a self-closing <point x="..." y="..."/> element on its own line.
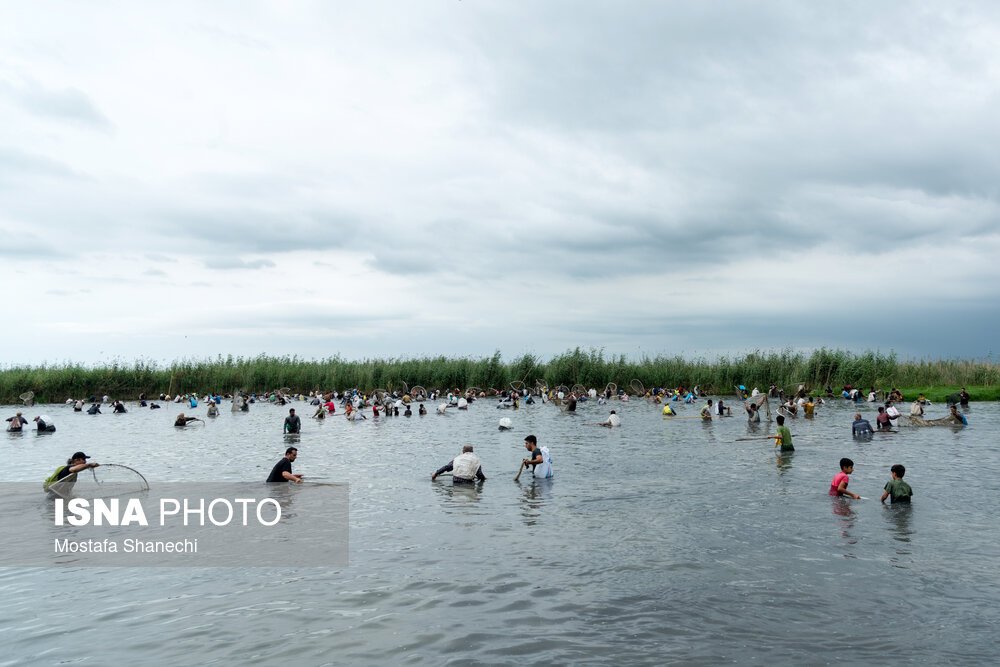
<point x="184" y="421"/>
<point x="74" y="464"/>
<point x="282" y="471"/>
<point x="44" y="424"/>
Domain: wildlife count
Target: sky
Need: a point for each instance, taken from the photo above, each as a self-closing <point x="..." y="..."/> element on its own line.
<point x="453" y="177"/>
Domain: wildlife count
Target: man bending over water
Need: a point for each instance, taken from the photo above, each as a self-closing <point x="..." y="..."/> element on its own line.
<point x="465" y="468"/>
<point x="184" y="421"/>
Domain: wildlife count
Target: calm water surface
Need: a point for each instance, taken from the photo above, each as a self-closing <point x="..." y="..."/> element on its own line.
<point x="659" y="542"/>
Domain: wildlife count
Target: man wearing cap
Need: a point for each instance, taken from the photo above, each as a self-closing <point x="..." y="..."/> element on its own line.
<point x="74" y="464"/>
<point x="16" y="422"/>
<point x="282" y="471"/>
<point x="44" y="423"/>
<point x="465" y="468"/>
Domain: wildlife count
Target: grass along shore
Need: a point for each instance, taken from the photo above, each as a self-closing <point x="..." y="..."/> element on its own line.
<point x="125" y="381"/>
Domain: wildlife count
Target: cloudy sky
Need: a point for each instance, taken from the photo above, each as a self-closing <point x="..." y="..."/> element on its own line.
<point x="389" y="179"/>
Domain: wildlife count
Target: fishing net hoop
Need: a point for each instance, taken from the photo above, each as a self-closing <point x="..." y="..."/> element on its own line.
<point x="579" y="389"/>
<point x="517" y="385"/>
<point x="637" y="387"/>
<point x="28" y="398"/>
<point x="612" y="386"/>
<point x="106" y="488"/>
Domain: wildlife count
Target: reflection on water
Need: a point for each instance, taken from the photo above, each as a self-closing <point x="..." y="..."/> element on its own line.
<point x="534" y="493"/>
<point x="460" y="497"/>
<point x="784" y="460"/>
<point x="898" y="516"/>
<point x="844" y="511"/>
<point x="649" y="535"/>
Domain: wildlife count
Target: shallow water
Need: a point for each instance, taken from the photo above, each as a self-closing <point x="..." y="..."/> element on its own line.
<point x="659" y="542"/>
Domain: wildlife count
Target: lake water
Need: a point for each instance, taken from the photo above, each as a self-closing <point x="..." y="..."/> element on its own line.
<point x="659" y="542"/>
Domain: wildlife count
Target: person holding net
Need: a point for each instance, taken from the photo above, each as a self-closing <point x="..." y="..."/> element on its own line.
<point x="612" y="420"/>
<point x="44" y="424"/>
<point x="74" y="464"/>
<point x="16" y="423"/>
<point x="184" y="421"/>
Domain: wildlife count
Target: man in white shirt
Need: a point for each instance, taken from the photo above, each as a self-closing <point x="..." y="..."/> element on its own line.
<point x="465" y="468"/>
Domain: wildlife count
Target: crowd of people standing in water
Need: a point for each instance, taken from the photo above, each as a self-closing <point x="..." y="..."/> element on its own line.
<point x="467" y="468"/>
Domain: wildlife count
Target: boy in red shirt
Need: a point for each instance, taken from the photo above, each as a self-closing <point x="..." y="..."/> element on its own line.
<point x="838" y="487"/>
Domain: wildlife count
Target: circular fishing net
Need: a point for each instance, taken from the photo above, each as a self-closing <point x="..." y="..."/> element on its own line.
<point x="107" y="480"/>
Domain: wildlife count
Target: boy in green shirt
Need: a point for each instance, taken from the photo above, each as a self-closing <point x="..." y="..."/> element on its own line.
<point x="896" y="489"/>
<point x="783" y="436"/>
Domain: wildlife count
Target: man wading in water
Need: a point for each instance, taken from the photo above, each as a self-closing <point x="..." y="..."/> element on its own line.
<point x="184" y="421"/>
<point x="282" y="471"/>
<point x="292" y="422"/>
<point x="465" y="468"/>
<point x="540" y="461"/>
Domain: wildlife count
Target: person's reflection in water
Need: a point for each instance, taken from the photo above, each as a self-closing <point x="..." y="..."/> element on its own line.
<point x="285" y="495"/>
<point x="842" y="508"/>
<point x="461" y="499"/>
<point x="535" y="492"/>
<point x="898" y="517"/>
<point x="784" y="460"/>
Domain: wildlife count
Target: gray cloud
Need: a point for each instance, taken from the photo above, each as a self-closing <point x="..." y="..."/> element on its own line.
<point x="597" y="173"/>
<point x="25" y="245"/>
<point x="243" y="229"/>
<point x="157" y="257"/>
<point x="16" y="165"/>
<point x="67" y="104"/>
<point x="228" y="263"/>
<point x="241" y="39"/>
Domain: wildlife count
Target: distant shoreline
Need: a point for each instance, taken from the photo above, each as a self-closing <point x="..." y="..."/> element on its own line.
<point x="590" y="369"/>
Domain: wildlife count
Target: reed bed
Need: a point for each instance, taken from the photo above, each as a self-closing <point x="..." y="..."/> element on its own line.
<point x="591" y="368"/>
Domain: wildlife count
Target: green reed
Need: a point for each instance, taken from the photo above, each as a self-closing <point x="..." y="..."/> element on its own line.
<point x="590" y="368"/>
